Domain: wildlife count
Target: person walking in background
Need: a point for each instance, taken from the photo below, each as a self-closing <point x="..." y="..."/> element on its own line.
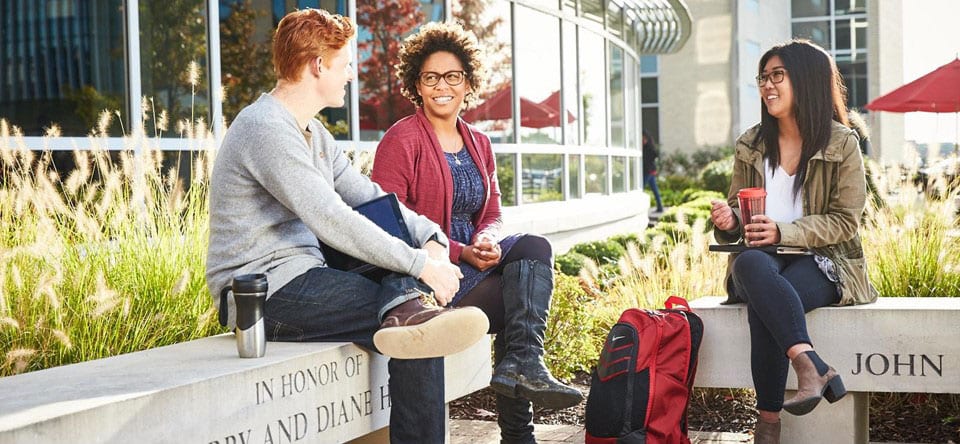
<point x="443" y="168"/>
<point x="280" y="183"/>
<point x="650" y="155"/>
<point x="808" y="160"/>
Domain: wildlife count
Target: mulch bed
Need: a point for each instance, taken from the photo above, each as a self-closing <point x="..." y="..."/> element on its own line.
<point x="918" y="418"/>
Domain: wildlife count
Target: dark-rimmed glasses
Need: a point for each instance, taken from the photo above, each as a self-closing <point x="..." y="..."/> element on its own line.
<point x="775" y="77"/>
<point x="453" y="78"/>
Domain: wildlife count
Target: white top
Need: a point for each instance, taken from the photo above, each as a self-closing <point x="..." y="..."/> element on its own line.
<point x="781" y="204"/>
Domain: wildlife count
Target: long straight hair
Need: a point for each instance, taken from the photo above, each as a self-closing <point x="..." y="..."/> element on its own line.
<point x="819" y="98"/>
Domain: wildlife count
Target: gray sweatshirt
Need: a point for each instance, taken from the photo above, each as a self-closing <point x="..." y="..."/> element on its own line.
<point x="276" y="189"/>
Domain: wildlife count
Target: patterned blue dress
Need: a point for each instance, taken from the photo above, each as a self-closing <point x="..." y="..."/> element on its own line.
<point x="468" y="196"/>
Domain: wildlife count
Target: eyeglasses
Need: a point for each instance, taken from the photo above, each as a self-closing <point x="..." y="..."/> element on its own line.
<point x="775" y="77"/>
<point x="453" y="78"/>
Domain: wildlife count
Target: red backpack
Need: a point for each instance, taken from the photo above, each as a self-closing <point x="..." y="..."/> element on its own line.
<point x="641" y="387"/>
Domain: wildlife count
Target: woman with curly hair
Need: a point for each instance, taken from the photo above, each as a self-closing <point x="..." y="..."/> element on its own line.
<point x="443" y="168"/>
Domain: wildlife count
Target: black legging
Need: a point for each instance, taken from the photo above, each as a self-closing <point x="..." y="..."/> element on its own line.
<point x="778" y="290"/>
<point x="487" y="295"/>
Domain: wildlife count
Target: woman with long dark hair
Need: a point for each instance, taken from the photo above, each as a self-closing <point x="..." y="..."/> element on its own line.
<point x="808" y="160"/>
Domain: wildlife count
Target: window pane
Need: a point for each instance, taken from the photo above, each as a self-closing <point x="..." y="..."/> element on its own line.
<point x="493" y="112"/>
<point x="542" y="177"/>
<point x="818" y="32"/>
<point x="570" y="5"/>
<point x="636" y="179"/>
<point x="810" y="8"/>
<point x="538" y="76"/>
<point x="842" y="7"/>
<point x="245" y="56"/>
<point x="619" y="174"/>
<point x="596" y="174"/>
<point x="617" y="113"/>
<point x="592" y="10"/>
<point x="855" y="77"/>
<point x="630" y="34"/>
<point x="614" y="19"/>
<point x="573" y="175"/>
<point x="62" y="63"/>
<point x="649" y="64"/>
<point x="651" y="121"/>
<point x="506" y="171"/>
<point x="851" y="40"/>
<point x="380" y="28"/>
<point x="649" y="90"/>
<point x="173" y="64"/>
<point x="545" y="4"/>
<point x="570" y="93"/>
<point x="631" y="92"/>
<point x="593" y="87"/>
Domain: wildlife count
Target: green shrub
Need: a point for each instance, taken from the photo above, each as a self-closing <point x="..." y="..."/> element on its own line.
<point x="674" y="232"/>
<point x="570" y="263"/>
<point x="625" y="239"/>
<point x="688" y="214"/>
<point x="691" y="194"/>
<point x="573" y="332"/>
<point x="716" y="175"/>
<point x="602" y="251"/>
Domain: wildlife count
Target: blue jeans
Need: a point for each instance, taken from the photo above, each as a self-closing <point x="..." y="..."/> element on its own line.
<point x="651" y="182"/>
<point x="779" y="290"/>
<point x="328" y="305"/>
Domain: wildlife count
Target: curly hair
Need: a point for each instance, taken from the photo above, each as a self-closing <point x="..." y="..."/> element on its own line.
<point x="435" y="37"/>
<point x="305" y="34"/>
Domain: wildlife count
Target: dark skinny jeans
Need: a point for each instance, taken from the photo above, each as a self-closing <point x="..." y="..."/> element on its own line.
<point x="327" y="305"/>
<point x="779" y="290"/>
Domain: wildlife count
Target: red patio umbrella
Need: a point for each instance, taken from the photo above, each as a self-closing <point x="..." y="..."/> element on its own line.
<point x="936" y="92"/>
<point x="552" y="102"/>
<point x="498" y="107"/>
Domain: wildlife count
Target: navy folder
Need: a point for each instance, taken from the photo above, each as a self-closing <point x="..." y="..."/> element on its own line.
<point x="383" y="211"/>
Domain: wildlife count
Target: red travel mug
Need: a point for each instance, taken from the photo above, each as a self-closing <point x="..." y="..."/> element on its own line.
<point x="753" y="201"/>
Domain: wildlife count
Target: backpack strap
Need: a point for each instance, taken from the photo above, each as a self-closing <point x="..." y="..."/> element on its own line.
<point x="676" y="303"/>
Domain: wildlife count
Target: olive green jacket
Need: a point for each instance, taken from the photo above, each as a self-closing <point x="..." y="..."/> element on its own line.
<point x="834" y="195"/>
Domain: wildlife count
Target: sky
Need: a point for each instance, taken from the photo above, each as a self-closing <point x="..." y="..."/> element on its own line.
<point x="931" y="38"/>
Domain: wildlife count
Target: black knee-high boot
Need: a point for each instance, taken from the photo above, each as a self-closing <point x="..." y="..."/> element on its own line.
<point x="514" y="415"/>
<point x="527" y="287"/>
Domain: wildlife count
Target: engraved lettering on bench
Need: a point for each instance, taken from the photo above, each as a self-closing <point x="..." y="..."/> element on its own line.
<point x="310" y="378"/>
<point x="335" y="414"/>
<point x="294" y="428"/>
<point x="240" y="438"/>
<point x="878" y="364"/>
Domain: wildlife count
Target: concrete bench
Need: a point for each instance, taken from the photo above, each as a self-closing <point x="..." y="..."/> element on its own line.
<point x="201" y="392"/>
<point x="896" y="345"/>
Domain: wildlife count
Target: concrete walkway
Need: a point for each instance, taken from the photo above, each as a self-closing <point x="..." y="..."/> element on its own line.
<point x="487" y="432"/>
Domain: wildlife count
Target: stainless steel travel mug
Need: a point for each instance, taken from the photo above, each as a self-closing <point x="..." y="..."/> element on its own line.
<point x="250" y="293"/>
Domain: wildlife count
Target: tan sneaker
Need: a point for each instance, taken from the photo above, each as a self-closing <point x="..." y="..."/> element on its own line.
<point x="419" y="328"/>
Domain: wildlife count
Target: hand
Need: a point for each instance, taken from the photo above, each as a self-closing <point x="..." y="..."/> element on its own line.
<point x="481" y="255"/>
<point x="761" y="231"/>
<point x="722" y="215"/>
<point x="443" y="277"/>
<point x="435" y="250"/>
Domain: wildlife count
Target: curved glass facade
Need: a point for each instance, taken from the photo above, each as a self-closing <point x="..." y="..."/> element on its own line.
<point x="563" y="106"/>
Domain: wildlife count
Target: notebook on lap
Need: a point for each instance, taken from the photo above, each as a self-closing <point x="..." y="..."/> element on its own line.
<point x="776" y="249"/>
<point x="383" y="211"/>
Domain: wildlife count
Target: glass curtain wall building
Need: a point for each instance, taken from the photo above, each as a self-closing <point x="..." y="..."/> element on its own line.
<point x="563" y="106"/>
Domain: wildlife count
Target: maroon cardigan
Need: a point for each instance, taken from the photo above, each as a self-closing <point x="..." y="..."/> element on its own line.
<point x="410" y="162"/>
